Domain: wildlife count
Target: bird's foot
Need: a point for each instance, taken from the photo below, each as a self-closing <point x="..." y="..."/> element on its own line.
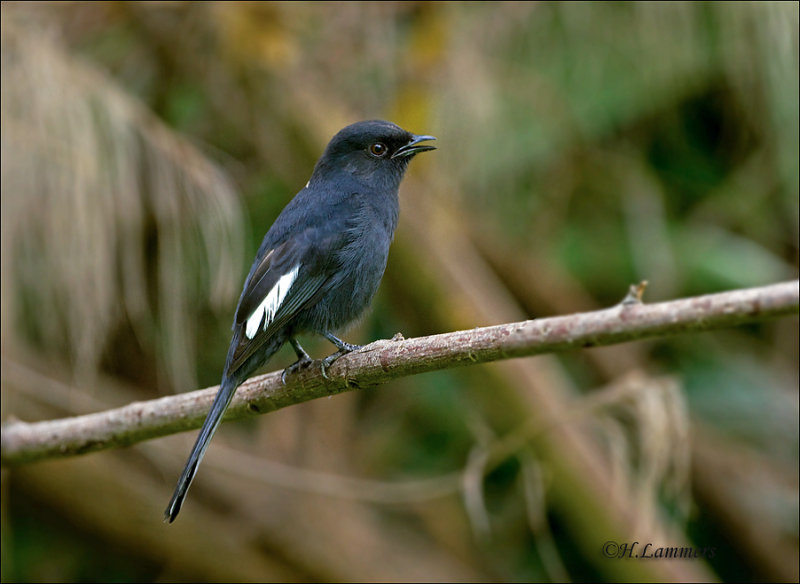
<point x="344" y="349"/>
<point x="301" y="363"/>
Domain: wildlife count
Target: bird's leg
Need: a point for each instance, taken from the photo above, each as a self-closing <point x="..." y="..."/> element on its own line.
<point x="343" y="347"/>
<point x="303" y="360"/>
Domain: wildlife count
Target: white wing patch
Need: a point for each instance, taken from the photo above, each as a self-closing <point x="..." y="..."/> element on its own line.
<point x="270" y="304"/>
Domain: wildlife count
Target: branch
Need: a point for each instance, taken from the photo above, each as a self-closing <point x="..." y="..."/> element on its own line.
<point x="384" y="360"/>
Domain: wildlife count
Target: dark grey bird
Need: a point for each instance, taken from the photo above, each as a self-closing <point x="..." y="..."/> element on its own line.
<point x="319" y="264"/>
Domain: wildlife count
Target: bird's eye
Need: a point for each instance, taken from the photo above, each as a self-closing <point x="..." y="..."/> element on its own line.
<point x="378" y="149"/>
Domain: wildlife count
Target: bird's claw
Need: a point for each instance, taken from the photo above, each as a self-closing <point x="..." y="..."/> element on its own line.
<point x="330" y="359"/>
<point x="301" y="363"/>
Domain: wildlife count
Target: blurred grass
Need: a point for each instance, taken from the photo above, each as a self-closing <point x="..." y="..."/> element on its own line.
<point x="582" y="147"/>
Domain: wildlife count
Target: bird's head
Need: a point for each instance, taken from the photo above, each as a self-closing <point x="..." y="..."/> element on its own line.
<point x="373" y="151"/>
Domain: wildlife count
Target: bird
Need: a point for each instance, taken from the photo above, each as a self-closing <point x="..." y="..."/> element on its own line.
<point x="318" y="266"/>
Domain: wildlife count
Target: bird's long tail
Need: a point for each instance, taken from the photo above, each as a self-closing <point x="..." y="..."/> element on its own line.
<point x="213" y="419"/>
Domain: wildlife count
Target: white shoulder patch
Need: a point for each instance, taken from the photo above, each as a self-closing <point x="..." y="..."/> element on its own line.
<point x="270" y="304"/>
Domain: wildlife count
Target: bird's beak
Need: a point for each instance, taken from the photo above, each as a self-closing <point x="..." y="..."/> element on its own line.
<point x="414" y="146"/>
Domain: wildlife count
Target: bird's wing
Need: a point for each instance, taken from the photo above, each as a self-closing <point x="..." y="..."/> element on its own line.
<point x="285" y="280"/>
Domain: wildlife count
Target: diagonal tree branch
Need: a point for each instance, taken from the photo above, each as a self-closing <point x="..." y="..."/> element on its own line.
<point x="384" y="360"/>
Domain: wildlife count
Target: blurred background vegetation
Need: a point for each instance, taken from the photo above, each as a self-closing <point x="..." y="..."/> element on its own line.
<point x="146" y="149"/>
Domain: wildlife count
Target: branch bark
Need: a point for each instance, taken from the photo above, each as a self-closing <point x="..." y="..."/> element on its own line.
<point x="384" y="360"/>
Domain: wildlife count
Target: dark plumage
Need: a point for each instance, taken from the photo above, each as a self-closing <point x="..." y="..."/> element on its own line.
<point x="319" y="264"/>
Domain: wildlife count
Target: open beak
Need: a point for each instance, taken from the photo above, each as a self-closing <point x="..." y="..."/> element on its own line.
<point x="414" y="146"/>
